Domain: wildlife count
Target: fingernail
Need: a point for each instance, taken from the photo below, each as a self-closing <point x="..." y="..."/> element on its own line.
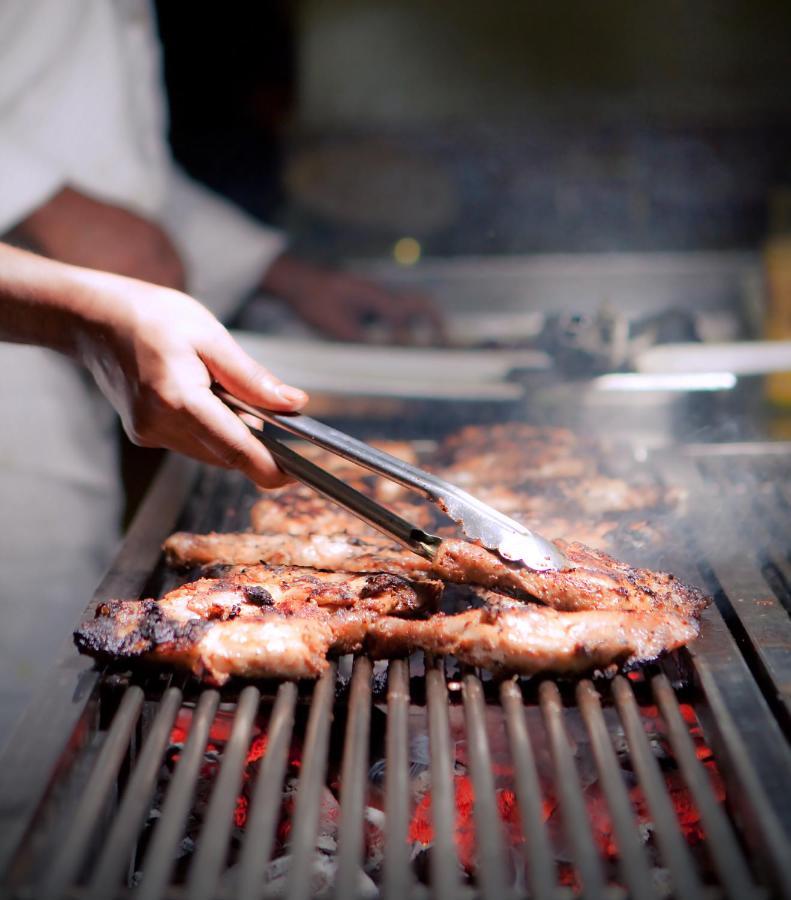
<point x="291" y="394"/>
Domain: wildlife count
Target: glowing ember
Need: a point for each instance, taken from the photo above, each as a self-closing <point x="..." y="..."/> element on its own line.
<point x="421" y="832"/>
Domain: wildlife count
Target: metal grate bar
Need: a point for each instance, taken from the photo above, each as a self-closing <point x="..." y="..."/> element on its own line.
<point x="136" y="800"/>
<point x="491" y="859"/>
<point x="397" y="883"/>
<point x="674" y="850"/>
<point x="267" y="795"/>
<point x="720" y="840"/>
<point x="160" y="858"/>
<point x="74" y="847"/>
<point x="213" y="845"/>
<point x="444" y="864"/>
<point x="632" y="856"/>
<point x="763" y="618"/>
<point x="757" y="817"/>
<point x="354" y="778"/>
<point x="768" y="516"/>
<point x="311" y="784"/>
<point x="765" y="515"/>
<point x="541" y="866"/>
<point x="572" y="803"/>
<point x="758" y="771"/>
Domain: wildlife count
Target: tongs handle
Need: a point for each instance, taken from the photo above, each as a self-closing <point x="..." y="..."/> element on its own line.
<point x="381" y="518"/>
<point x="344" y="445"/>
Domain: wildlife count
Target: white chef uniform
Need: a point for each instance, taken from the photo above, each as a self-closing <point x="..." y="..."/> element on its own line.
<point x="81" y="104"/>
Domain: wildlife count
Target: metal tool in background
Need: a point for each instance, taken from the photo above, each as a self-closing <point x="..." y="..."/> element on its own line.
<point x="477" y="520"/>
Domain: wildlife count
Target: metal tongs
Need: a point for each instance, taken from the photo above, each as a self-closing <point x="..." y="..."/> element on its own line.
<point x="479" y="522"/>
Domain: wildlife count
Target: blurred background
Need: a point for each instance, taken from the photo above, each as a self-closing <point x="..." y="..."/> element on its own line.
<point x="589" y="181"/>
<point x="488" y="127"/>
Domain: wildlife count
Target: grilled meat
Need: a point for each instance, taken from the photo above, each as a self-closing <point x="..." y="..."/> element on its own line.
<point x="319" y="551"/>
<point x="299" y="510"/>
<point x="240" y="640"/>
<point x="513" y="468"/>
<point x="375" y="554"/>
<point x="283" y="623"/>
<point x="259" y="623"/>
<point x="513" y="453"/>
<point x="546" y="441"/>
<point x="282" y="619"/>
<point x="528" y="639"/>
<point x="285" y="587"/>
<point x="381" y="488"/>
<point x="597" y="495"/>
<point x="600" y="494"/>
<point x="531" y="472"/>
<point x="595" y="581"/>
<point x="602" y="533"/>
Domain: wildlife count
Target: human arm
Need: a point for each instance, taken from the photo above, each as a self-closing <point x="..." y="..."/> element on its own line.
<point x="345" y="306"/>
<point x="77" y="229"/>
<point x="154" y="353"/>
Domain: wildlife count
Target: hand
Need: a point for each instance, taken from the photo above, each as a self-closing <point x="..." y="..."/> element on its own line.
<point x="76" y="229"/>
<point x="346" y="307"/>
<point x="155" y="353"/>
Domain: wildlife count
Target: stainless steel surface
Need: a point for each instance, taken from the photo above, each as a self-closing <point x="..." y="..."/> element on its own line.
<point x="477" y="520"/>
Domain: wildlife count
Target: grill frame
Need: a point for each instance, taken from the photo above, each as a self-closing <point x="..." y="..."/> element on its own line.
<point x="68" y="711"/>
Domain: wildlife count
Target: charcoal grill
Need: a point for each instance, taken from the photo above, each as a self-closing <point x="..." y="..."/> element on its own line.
<point x="80" y="774"/>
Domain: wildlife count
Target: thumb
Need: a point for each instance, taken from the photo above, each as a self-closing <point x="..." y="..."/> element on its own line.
<point x="243" y="377"/>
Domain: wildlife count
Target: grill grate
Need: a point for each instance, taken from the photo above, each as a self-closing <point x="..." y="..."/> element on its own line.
<point x="76" y="823"/>
<point x="109" y="868"/>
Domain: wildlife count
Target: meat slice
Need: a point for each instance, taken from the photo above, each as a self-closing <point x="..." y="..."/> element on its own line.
<point x="298" y="510"/>
<point x="261" y="645"/>
<point x="513" y="453"/>
<point x="219" y="628"/>
<point x="509" y="637"/>
<point x="286" y="589"/>
<point x="595" y="496"/>
<point x="362" y="479"/>
<point x="335" y="551"/>
<point x="534" y="473"/>
<point x="594" y="581"/>
<point x="258" y="623"/>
